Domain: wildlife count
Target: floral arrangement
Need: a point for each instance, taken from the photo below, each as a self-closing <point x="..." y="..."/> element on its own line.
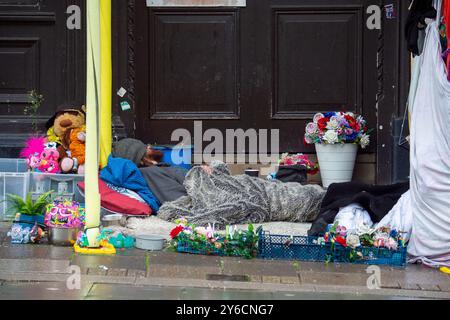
<point x="336" y="128"/>
<point x="187" y="237"/>
<point x="65" y="214"/>
<point x="299" y="159"/>
<point x="363" y="236"/>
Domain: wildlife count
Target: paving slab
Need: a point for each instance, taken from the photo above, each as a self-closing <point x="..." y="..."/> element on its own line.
<point x="42" y="291"/>
<point x="110" y="262"/>
<point x="172" y="258"/>
<point x="35" y="265"/>
<point x="117" y="272"/>
<point x="259" y="267"/>
<point x="135" y="273"/>
<point x="429" y="287"/>
<point x="182" y="271"/>
<point x="131" y="292"/>
<point x="333" y="278"/>
<point x="24" y="251"/>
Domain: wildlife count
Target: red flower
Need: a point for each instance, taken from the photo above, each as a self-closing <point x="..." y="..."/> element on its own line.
<point x="351" y="121"/>
<point x="313" y="171"/>
<point x="322" y="123"/>
<point x="175" y="232"/>
<point x="341" y="241"/>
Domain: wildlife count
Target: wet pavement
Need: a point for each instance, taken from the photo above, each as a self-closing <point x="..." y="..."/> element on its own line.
<point x="58" y="291"/>
<point x="42" y="272"/>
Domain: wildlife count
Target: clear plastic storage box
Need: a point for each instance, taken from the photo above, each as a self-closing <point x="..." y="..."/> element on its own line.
<point x="64" y="186"/>
<point x="14" y="179"/>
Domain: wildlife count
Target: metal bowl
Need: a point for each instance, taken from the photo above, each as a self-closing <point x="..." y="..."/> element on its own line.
<point x="111" y="220"/>
<point x="64" y="237"/>
<point x="150" y="242"/>
<point x="252" y="172"/>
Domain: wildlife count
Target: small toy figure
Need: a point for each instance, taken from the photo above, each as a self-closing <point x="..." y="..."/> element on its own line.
<point x="34" y="147"/>
<point x="19" y="234"/>
<point x="49" y="159"/>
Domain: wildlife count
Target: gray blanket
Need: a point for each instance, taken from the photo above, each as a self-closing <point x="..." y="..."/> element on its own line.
<point x="227" y="200"/>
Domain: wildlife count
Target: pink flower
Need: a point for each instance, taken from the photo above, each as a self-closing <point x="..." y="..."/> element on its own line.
<point x="311" y="128"/>
<point x="317" y="117"/>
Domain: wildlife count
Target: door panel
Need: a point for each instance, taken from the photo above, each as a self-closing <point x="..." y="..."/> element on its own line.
<point x="196" y="77"/>
<point x="312" y="76"/>
<point x="269" y="65"/>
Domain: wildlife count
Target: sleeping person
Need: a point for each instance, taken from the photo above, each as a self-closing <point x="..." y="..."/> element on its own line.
<point x="210" y="194"/>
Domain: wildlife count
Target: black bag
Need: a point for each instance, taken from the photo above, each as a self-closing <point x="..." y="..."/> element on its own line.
<point x="295" y="173"/>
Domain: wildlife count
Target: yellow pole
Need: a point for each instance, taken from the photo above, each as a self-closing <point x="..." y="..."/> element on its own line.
<point x="93" y="101"/>
<point x="106" y="82"/>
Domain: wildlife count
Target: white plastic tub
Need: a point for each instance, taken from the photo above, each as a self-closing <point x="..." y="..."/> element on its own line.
<point x="336" y="162"/>
<point x="150" y="242"/>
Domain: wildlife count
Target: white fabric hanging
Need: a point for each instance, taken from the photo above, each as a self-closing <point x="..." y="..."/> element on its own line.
<point x="400" y="217"/>
<point x="430" y="158"/>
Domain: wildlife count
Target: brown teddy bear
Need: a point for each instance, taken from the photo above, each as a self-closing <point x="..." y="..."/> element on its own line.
<point x="67" y="128"/>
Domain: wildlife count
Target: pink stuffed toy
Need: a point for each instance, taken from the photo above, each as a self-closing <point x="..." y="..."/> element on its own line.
<point x="32" y="152"/>
<point x="49" y="159"/>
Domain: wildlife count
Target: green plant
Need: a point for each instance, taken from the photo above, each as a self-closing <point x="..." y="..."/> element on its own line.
<point x="35" y="100"/>
<point x="27" y="206"/>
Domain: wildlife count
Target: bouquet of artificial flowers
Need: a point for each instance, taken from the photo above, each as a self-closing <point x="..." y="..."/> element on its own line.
<point x="299" y="159"/>
<point x="186" y="237"/>
<point x="337" y="127"/>
<point x="364" y="236"/>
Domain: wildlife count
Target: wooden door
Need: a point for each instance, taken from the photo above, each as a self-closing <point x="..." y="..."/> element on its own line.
<point x="37" y="52"/>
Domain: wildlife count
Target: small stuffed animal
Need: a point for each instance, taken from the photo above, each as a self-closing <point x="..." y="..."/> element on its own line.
<point x="76" y="140"/>
<point x="49" y="159"/>
<point x="60" y="129"/>
<point x="34" y="147"/>
<point x="19" y="234"/>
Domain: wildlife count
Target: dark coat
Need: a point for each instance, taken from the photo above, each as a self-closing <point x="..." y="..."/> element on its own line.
<point x="376" y="200"/>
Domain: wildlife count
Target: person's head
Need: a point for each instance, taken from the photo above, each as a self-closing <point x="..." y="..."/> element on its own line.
<point x="136" y="151"/>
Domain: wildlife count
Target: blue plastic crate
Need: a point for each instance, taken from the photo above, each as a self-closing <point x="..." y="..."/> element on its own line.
<point x="281" y="247"/>
<point x="373" y="256"/>
<point x="211" y="250"/>
<point x="184" y="247"/>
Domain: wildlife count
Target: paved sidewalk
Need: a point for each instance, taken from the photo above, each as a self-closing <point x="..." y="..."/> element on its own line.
<point x="42" y="271"/>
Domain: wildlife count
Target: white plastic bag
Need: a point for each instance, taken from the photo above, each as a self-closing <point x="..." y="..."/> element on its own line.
<point x="353" y="216"/>
<point x="430" y="159"/>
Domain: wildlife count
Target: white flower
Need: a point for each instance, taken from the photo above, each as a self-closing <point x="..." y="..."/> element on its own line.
<point x="353" y="241"/>
<point x="311" y="128"/>
<point x="331" y="137"/>
<point x="364" y="229"/>
<point x="333" y="124"/>
<point x="317" y="117"/>
<point x="365" y="141"/>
